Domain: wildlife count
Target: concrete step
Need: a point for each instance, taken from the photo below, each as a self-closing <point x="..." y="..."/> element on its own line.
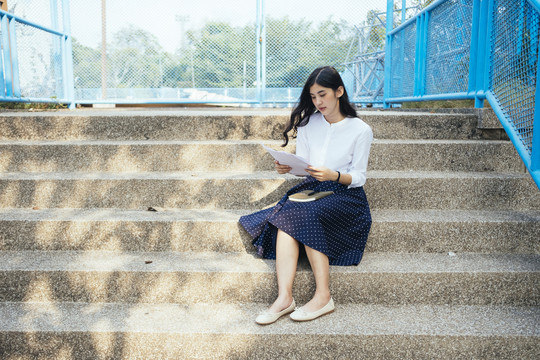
<point x="227" y="331"/>
<point x="243" y="155"/>
<point x="236" y="190"/>
<point x="215" y="277"/>
<point x="410" y="231"/>
<point x="221" y="124"/>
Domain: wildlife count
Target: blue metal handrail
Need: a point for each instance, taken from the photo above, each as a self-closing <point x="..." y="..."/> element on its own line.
<point x="476" y="37"/>
<point x="10" y="77"/>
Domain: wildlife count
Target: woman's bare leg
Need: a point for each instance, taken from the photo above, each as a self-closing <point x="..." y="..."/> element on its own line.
<point x="287" y="252"/>
<point x="321" y="270"/>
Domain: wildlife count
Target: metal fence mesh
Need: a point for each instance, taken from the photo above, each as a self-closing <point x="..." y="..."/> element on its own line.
<point x="297" y="44"/>
<point x="403" y="61"/>
<point x="515" y="57"/>
<point x="204" y="51"/>
<point x="38" y="53"/>
<point x="40" y="63"/>
<point x="38" y="11"/>
<point x="210" y="60"/>
<point x="214" y="58"/>
<point x="448" y="47"/>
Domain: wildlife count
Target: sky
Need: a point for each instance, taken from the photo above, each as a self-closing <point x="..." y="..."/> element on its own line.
<point x="161" y="17"/>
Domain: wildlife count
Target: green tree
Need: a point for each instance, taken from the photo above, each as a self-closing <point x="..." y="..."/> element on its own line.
<point x="219" y="53"/>
<point x="137" y="60"/>
<point x="86" y="66"/>
<point x="295" y="48"/>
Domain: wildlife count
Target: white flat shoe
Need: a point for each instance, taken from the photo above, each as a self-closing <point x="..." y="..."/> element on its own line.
<point x="267" y="317"/>
<point x="302" y="315"/>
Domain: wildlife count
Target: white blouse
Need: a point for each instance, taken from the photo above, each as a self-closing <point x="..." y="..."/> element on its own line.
<point x="343" y="146"/>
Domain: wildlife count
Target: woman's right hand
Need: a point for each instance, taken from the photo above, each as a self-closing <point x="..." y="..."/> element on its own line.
<point x="282" y="169"/>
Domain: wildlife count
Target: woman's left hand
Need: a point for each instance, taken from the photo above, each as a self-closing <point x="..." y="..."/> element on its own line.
<point x="322" y="173"/>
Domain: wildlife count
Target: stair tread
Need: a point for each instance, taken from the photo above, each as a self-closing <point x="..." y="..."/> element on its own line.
<point x="136" y="142"/>
<point x="168" y="262"/>
<point x="229" y="215"/>
<point x="221" y="112"/>
<point x="202" y="318"/>
<point x="267" y="175"/>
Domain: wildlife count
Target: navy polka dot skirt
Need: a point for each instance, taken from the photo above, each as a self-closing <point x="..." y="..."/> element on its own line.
<point x="336" y="225"/>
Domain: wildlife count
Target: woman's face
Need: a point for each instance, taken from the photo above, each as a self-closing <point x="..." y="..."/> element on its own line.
<point x="326" y="100"/>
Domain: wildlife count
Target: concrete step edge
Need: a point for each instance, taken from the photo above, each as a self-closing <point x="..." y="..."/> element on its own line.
<point x="247" y="175"/>
<point x="214" y="262"/>
<point x="188" y="278"/>
<point x="203" y="318"/>
<point x="218" y="230"/>
<point x="228" y="215"/>
<point x="135" y="142"/>
<point x="208" y="113"/>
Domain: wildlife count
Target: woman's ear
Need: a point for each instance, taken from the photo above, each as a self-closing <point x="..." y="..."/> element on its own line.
<point x="340" y="91"/>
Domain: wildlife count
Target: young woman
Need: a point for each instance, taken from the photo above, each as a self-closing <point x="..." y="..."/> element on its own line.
<point x="334" y="229"/>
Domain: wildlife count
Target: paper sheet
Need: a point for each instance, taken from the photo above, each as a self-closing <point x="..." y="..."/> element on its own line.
<point x="297" y="163"/>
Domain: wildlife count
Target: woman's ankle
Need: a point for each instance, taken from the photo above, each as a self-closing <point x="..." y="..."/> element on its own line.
<point x="281" y="303"/>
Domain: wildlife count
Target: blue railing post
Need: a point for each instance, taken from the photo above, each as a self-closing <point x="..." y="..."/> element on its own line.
<point x="418" y="55"/>
<point x="388" y="52"/>
<point x="14" y="59"/>
<point x="474" y="55"/>
<point x="6" y="58"/>
<point x="486" y="76"/>
<point x="421" y="54"/>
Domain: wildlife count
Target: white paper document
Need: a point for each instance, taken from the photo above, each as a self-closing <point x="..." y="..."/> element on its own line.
<point x="297" y="163"/>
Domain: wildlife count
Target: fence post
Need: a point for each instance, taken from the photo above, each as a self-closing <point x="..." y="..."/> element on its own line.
<point x="8" y="83"/>
<point x="57" y="51"/>
<point x="422" y="23"/>
<point x="258" y="44"/>
<point x="68" y="56"/>
<point x="388" y="52"/>
<point x="474" y="58"/>
<point x="486" y="76"/>
<point x="14" y="59"/>
<point x="263" y="52"/>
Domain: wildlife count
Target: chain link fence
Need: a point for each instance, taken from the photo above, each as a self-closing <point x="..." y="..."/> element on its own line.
<point x="39" y="53"/>
<point x="515" y="36"/>
<point x="165" y="51"/>
<point x="448" y="47"/>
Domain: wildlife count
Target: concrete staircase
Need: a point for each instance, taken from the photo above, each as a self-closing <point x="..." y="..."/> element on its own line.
<point x="451" y="270"/>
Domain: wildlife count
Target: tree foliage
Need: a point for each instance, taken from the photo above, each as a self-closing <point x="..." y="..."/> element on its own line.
<point x="217" y="55"/>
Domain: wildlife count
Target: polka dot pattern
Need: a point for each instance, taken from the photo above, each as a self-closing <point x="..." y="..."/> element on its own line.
<point x="337" y="225"/>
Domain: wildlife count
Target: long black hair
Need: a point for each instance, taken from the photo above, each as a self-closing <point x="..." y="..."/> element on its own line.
<point x="325" y="76"/>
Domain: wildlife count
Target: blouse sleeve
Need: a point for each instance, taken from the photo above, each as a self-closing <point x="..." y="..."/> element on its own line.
<point x="302" y="145"/>
<point x="359" y="162"/>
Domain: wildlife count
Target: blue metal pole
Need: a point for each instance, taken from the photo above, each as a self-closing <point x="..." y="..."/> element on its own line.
<point x="481" y="68"/>
<point x="421" y="55"/>
<point x="68" y="56"/>
<point x="14" y="59"/>
<point x="418" y="50"/>
<point x="486" y="81"/>
<point x="388" y="53"/>
<point x="473" y="58"/>
<point x="3" y="65"/>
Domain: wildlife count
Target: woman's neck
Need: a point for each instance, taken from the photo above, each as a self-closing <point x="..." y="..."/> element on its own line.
<point x="334" y="118"/>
